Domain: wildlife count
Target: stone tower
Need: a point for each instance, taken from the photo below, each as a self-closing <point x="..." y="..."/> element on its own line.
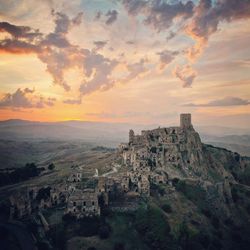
<point x="131" y="135"/>
<point x="185" y="121"/>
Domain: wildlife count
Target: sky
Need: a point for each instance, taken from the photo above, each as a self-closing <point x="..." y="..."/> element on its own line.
<point x="133" y="61"/>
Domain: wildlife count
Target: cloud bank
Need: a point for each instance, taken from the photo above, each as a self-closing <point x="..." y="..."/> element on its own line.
<point x="227" y="101"/>
<point x="25" y="98"/>
<point x="198" y="20"/>
<point x="60" y="55"/>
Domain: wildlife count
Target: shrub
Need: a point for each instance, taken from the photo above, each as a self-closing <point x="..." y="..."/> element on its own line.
<point x="235" y="195"/>
<point x="166" y="207"/>
<point x="119" y="246"/>
<point x="89" y="226"/>
<point x="215" y="222"/>
<point x="206" y="212"/>
<point x="248" y="209"/>
<point x="68" y="218"/>
<point x="58" y="236"/>
<point x="20" y="174"/>
<point x="42" y="245"/>
<point x="194" y="193"/>
<point x="244" y="177"/>
<point x="51" y="166"/>
<point x="104" y="232"/>
<point x="153" y="226"/>
<point x="175" y="181"/>
<point x="189" y="239"/>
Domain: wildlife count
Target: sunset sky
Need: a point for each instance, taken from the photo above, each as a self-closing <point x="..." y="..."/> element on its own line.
<point x="130" y="61"/>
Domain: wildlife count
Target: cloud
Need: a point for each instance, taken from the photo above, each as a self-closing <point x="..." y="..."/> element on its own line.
<point x="73" y="101"/>
<point x="63" y="24"/>
<point x="19" y="31"/>
<point x="133" y="114"/>
<point x="23" y="9"/>
<point x="119" y="115"/>
<point x="197" y="19"/>
<point x="100" y="44"/>
<point x="60" y="55"/>
<point x="58" y="61"/>
<point x="25" y="98"/>
<point x="18" y="47"/>
<point x="130" y="42"/>
<point x="207" y="17"/>
<point x="227" y="101"/>
<point x="135" y="70"/>
<point x="98" y="15"/>
<point x="186" y="74"/>
<point x="171" y="35"/>
<point x="134" y="7"/>
<point x="23" y="39"/>
<point x="166" y="57"/>
<point x="98" y="70"/>
<point x="111" y="16"/>
<point x="53" y="49"/>
<point x="159" y="14"/>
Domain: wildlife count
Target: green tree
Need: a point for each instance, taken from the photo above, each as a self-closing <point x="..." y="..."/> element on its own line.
<point x="51" y="166"/>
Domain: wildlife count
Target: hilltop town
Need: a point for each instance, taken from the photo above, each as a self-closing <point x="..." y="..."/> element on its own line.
<point x="157" y="163"/>
<point x="147" y="159"/>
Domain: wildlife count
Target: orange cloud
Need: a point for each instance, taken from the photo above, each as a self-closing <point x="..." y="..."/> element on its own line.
<point x="25" y="99"/>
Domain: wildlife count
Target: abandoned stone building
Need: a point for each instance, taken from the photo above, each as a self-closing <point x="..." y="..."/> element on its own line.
<point x="83" y="203"/>
<point x="75" y="176"/>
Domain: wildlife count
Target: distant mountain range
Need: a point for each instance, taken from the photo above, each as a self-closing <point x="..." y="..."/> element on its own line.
<point x="111" y="134"/>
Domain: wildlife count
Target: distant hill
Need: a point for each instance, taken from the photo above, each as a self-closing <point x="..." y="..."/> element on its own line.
<point x="108" y="134"/>
<point x="111" y="134"/>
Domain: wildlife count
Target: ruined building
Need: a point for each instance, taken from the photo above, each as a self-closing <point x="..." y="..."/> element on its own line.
<point x="83" y="203"/>
<point x="164" y="150"/>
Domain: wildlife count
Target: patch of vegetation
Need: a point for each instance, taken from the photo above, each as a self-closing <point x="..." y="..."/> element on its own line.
<point x="58" y="236"/>
<point x="21" y="174"/>
<point x="8" y="241"/>
<point x="240" y="237"/>
<point x="153" y="227"/>
<point x="240" y="194"/>
<point x="175" y="181"/>
<point x="102" y="149"/>
<point x="215" y="175"/>
<point x="151" y="163"/>
<point x="51" y="166"/>
<point x="160" y="188"/>
<point x="68" y="218"/>
<point x="89" y="226"/>
<point x="244" y="177"/>
<point x="166" y="207"/>
<point x="123" y="233"/>
<point x="194" y="193"/>
<point x="104" y="231"/>
<point x="153" y="150"/>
